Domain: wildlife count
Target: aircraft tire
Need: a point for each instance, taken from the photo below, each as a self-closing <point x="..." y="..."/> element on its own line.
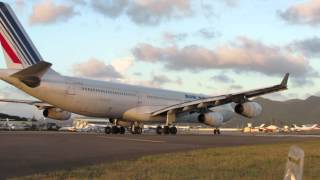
<point x="218" y="131"/>
<point x="159" y="130"/>
<point x="139" y="130"/>
<point x="173" y="130"/>
<point x="107" y="130"/>
<point x="166" y="130"/>
<point x="115" y="130"/>
<point x="122" y="130"/>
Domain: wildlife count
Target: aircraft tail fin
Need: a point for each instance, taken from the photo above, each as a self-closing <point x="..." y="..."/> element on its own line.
<point x="18" y="49"/>
<point x="295" y="126"/>
<point x="262" y="125"/>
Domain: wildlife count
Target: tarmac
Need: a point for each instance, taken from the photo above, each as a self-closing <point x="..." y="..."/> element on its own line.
<point x="26" y="153"/>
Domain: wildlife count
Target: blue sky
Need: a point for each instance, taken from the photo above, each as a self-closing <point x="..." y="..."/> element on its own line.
<point x="201" y="46"/>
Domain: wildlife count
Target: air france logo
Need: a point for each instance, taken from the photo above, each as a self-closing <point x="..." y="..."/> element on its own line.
<point x="188" y="96"/>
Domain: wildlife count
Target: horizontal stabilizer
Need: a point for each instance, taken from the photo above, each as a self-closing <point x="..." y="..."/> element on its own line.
<point x="31" y="76"/>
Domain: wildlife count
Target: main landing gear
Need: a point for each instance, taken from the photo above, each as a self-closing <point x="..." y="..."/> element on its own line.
<point x="136" y="128"/>
<point x="216" y="131"/>
<point x="166" y="130"/>
<point x="115" y="130"/>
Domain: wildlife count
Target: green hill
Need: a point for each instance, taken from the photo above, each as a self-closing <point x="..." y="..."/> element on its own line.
<point x="16" y="118"/>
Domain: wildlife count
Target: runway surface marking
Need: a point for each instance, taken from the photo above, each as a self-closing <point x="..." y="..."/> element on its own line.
<point x="290" y="135"/>
<point x="132" y="139"/>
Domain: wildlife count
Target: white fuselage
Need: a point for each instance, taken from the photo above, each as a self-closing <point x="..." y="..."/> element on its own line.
<point x="100" y="98"/>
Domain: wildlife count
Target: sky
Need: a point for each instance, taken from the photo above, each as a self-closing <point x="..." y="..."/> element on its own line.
<point x="200" y="46"/>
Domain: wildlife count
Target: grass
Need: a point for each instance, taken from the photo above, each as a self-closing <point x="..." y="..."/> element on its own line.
<point x="244" y="162"/>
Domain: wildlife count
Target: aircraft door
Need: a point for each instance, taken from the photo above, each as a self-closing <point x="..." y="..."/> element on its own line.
<point x="140" y="99"/>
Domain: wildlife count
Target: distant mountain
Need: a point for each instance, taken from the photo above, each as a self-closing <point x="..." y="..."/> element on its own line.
<point x="21" y="110"/>
<point x="294" y="111"/>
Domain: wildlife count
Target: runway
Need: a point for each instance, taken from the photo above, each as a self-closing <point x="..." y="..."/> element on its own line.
<point x="25" y="153"/>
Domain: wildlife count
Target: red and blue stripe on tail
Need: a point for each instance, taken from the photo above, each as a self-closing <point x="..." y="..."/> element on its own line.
<point x="18" y="49"/>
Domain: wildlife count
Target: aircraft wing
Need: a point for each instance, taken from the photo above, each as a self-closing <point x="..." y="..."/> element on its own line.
<point x="221" y="100"/>
<point x="38" y="104"/>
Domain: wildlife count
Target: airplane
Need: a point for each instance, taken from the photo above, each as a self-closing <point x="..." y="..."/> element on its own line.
<point x="68" y="129"/>
<point x="125" y="105"/>
<point x="251" y="129"/>
<point x="271" y="128"/>
<point x="14" y="127"/>
<point x="305" y="127"/>
<point x="260" y="128"/>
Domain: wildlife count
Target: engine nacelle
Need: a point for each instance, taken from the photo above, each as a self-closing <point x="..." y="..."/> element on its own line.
<point x="57" y="114"/>
<point x="212" y="119"/>
<point x="248" y="109"/>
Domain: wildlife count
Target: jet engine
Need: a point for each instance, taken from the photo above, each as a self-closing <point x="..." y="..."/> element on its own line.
<point x="212" y="119"/>
<point x="57" y="114"/>
<point x="248" y="109"/>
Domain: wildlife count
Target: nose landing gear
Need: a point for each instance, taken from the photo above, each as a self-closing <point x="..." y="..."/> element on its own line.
<point x="216" y="131"/>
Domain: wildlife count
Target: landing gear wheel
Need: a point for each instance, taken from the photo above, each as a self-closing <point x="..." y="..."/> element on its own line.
<point x="115" y="130"/>
<point x="137" y="130"/>
<point x="132" y="131"/>
<point x="173" y="130"/>
<point x="107" y="130"/>
<point x="159" y="130"/>
<point x="166" y="130"/>
<point x="216" y="131"/>
<point x="122" y="130"/>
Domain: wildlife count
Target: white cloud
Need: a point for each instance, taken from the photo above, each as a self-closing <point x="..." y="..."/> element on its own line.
<point x="231" y="3"/>
<point x="79" y="2"/>
<point x="243" y="55"/>
<point x="11" y="92"/>
<point x="123" y="65"/>
<point x="95" y="68"/>
<point x="144" y="12"/>
<point x="309" y="47"/>
<point x="20" y="4"/>
<point x="110" y="8"/>
<point x="222" y="78"/>
<point x="304" y="13"/>
<point x="174" y="37"/>
<point x="208" y="33"/>
<point x="235" y="87"/>
<point x="47" y="12"/>
<point x="151" y="12"/>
